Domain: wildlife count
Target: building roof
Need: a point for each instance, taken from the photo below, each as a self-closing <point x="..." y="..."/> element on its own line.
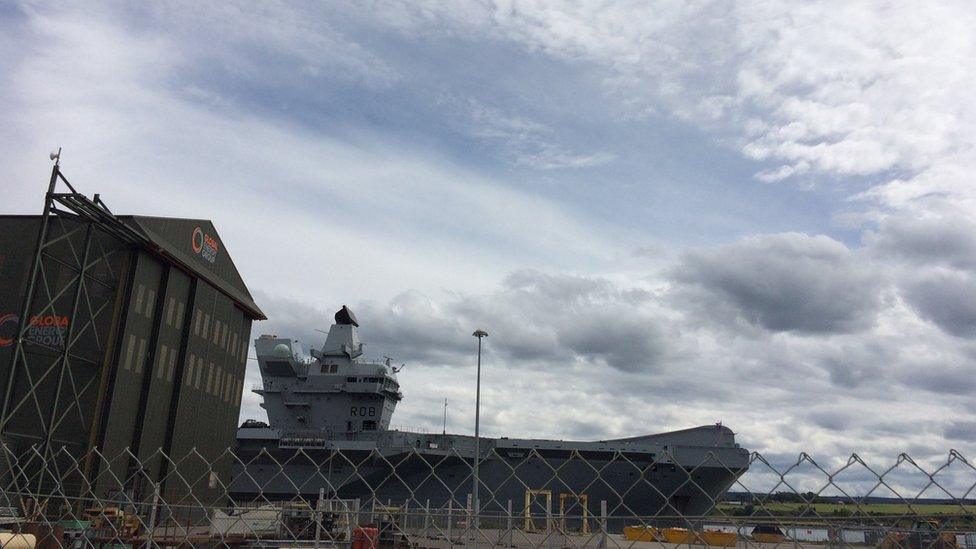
<point x="191" y="244"/>
<point x="195" y="245"/>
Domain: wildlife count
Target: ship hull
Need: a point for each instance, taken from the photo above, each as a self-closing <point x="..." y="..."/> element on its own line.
<point x="667" y="483"/>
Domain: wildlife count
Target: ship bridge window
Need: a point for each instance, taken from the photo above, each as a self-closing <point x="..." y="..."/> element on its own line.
<point x="369" y="425"/>
<point x="373" y="380"/>
<point x="350" y="380"/>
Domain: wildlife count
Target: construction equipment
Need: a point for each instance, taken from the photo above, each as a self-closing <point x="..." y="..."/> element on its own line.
<point x="113" y="522"/>
<point x="385" y="518"/>
<point x="924" y="534"/>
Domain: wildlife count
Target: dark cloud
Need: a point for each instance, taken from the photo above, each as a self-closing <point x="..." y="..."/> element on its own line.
<point x="413" y="328"/>
<point x="947" y="298"/>
<point x="960" y="430"/>
<point x="830" y="419"/>
<point x="551" y="320"/>
<point x="941" y="378"/>
<point x="591" y="429"/>
<point x="294" y="319"/>
<point x="787" y="282"/>
<point x="935" y="250"/>
<point x="630" y="344"/>
<point x="567" y="319"/>
<point x="946" y="238"/>
<point x="858" y="363"/>
<point x="547" y="291"/>
<point x="849" y="373"/>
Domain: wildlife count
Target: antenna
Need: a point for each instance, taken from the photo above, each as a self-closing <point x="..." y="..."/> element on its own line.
<point x="444" y="432"/>
<point x="56" y="156"/>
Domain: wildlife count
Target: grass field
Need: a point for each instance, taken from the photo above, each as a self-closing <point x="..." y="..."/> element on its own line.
<point x="887" y="509"/>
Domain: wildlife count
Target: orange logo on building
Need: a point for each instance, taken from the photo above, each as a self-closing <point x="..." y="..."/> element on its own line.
<point x="44" y="329"/>
<point x="197" y="240"/>
<point x="8" y="318"/>
<point x="204" y="244"/>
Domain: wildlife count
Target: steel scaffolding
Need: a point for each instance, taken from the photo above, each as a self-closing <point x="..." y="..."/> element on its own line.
<point x="76" y="269"/>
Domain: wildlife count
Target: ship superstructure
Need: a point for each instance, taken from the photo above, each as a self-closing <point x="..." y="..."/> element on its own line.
<point x="330" y="415"/>
<point x="336" y="394"/>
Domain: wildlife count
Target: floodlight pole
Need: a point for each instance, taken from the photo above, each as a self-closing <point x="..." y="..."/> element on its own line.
<point x="477" y="433"/>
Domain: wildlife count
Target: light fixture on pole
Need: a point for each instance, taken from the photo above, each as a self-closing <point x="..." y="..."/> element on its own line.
<point x="477" y="433"/>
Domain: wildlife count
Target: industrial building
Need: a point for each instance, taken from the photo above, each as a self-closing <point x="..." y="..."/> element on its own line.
<point x="119" y="334"/>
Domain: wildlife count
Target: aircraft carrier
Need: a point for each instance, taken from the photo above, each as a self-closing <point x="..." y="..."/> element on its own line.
<point x="330" y="413"/>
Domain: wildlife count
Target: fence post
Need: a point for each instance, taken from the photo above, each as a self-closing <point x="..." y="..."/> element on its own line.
<point x="603" y="524"/>
<point x="508" y="526"/>
<point x="450" y="537"/>
<point x="279" y="521"/>
<point x="427" y="518"/>
<point x="152" y="516"/>
<point x="549" y="533"/>
<point x="317" y="516"/>
<point x="352" y="520"/>
<point x="356" y="503"/>
<point x="406" y="517"/>
<point x="470" y="509"/>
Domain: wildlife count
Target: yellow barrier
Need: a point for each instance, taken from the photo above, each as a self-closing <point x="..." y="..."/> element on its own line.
<point x="642" y="533"/>
<point x="713" y="538"/>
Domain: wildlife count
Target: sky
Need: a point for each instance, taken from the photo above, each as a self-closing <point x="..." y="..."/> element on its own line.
<point x="665" y="214"/>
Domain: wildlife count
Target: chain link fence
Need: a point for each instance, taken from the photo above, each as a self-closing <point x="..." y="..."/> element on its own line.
<point x="368" y="498"/>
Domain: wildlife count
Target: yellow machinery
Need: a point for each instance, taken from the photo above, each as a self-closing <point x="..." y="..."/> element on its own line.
<point x="643" y="533"/>
<point x="530" y="498"/>
<point x="115" y="520"/>
<point x="714" y="538"/>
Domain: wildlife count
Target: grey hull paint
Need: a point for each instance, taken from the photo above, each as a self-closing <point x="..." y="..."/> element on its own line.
<point x="634" y="479"/>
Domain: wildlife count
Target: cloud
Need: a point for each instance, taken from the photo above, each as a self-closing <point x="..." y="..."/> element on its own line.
<point x="553" y="158"/>
<point x="787" y="282"/>
<point x="849" y="370"/>
<point x="551" y="322"/>
<point x="522" y="141"/>
<point x="942" y="377"/>
<point x="946" y="298"/>
<point x="961" y="430"/>
<point x="804" y="89"/>
<point x="268" y="41"/>
<point x="943" y="234"/>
